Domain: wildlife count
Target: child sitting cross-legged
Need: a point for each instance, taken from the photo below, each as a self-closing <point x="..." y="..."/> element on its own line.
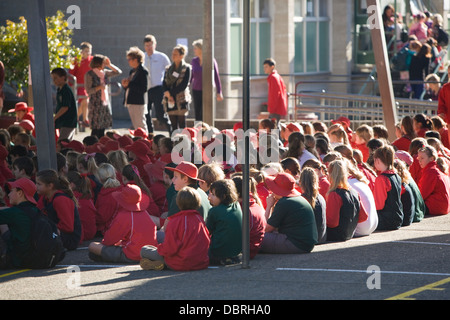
<point x="187" y="239"/>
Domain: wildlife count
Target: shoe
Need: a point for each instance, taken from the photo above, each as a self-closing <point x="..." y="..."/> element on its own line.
<point x="147" y="264"/>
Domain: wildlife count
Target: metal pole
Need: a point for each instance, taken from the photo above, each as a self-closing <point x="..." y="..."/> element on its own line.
<point x="40" y="74"/>
<point x="208" y="62"/>
<point x="246" y="126"/>
<point x="382" y="65"/>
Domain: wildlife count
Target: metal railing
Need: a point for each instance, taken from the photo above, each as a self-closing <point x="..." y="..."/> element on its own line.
<point x="358" y="108"/>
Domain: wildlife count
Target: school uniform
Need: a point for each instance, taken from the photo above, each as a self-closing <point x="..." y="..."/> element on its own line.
<point x="369" y="175"/>
<point x="435" y="189"/>
<point x="415" y="169"/>
<point x="205" y="206"/>
<point x="387" y="195"/>
<point x="87" y="212"/>
<point x="186" y="242"/>
<point x="158" y="190"/>
<point x="131" y="230"/>
<point x="107" y="207"/>
<point x="364" y="150"/>
<point x="324" y="186"/>
<point x="17" y="240"/>
<point x="419" y="207"/>
<point x="61" y="209"/>
<point x="402" y="143"/>
<point x="293" y="217"/>
<point x="408" y="203"/>
<point x="344" y="212"/>
<point x="257" y="225"/>
<point x="68" y="121"/>
<point x="224" y="224"/>
<point x="320" y="215"/>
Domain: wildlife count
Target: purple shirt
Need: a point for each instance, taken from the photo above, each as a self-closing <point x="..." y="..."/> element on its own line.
<point x="197" y="71"/>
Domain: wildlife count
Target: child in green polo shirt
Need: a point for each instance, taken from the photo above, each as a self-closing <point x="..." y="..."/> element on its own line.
<point x="15" y="224"/>
<point x="224" y="223"/>
<point x="66" y="108"/>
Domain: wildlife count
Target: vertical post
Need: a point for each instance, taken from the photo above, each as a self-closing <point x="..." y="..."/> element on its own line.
<point x="382" y="65"/>
<point x="42" y="96"/>
<point x="246" y="126"/>
<point x="208" y="62"/>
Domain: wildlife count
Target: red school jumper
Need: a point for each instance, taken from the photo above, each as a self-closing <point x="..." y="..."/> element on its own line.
<point x="131" y="230"/>
<point x="435" y="189"/>
<point x="87" y="212"/>
<point x="186" y="242"/>
<point x="107" y="207"/>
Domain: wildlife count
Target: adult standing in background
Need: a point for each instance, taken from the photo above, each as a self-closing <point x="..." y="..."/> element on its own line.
<point x="197" y="84"/>
<point x="156" y="63"/>
<point x="136" y="88"/>
<point x="95" y="82"/>
<point x="177" y="97"/>
<point x="79" y="70"/>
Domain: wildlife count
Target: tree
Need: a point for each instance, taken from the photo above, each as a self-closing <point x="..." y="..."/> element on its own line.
<point x="14" y="48"/>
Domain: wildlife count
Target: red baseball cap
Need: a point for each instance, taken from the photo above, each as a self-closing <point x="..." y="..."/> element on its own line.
<point x="283" y="184"/>
<point x="74" y="145"/>
<point x="187" y="168"/>
<point x="27" y="186"/>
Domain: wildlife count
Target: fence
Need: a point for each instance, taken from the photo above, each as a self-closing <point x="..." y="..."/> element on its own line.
<point x="358" y="108"/>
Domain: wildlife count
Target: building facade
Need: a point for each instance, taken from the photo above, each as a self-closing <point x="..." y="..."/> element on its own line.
<point x="311" y="40"/>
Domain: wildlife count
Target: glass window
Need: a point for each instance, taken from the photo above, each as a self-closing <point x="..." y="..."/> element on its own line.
<point x="260" y="36"/>
<point x="298" y="9"/>
<point x="312" y="36"/>
<point x="235" y="8"/>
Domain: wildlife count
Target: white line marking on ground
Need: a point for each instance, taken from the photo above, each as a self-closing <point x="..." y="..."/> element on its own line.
<point x="363" y="271"/>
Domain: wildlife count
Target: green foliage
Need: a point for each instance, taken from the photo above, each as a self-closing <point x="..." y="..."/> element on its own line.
<point x="14" y="48"/>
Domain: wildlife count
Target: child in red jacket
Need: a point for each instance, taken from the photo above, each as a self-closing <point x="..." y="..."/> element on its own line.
<point x="130" y="230"/>
<point x="434" y="185"/>
<point x="186" y="241"/>
<point x="81" y="188"/>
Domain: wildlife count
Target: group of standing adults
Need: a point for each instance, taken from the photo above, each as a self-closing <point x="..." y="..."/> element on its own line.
<point x="154" y="82"/>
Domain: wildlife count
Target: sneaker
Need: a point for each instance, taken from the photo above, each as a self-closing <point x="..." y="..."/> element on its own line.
<point x="147" y="264"/>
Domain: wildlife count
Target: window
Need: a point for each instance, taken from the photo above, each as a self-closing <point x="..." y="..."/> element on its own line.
<point x="260" y="35"/>
<point x="312" y="36"/>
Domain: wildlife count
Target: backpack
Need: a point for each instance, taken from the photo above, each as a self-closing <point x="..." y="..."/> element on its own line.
<point x="46" y="245"/>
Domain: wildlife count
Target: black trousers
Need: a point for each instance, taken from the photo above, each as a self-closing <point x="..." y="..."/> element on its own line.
<point x="155" y="98"/>
<point x="197" y="96"/>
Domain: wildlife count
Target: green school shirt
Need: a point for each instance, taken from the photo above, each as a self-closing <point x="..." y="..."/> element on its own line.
<point x="294" y="217"/>
<point x="204" y="203"/>
<point x="65" y="98"/>
<point x="225" y="226"/>
<point x="19" y="225"/>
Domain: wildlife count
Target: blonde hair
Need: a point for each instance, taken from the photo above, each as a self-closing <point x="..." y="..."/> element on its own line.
<point x="338" y="174"/>
<point x="365" y="132"/>
<point x="402" y="171"/>
<point x="118" y="159"/>
<point x="309" y="182"/>
<point x="107" y="176"/>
